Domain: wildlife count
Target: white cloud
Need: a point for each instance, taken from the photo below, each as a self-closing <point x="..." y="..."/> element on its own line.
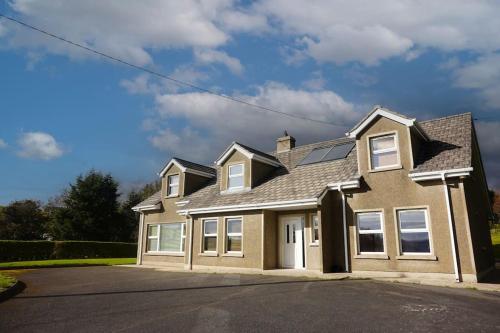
<point x="482" y="75"/>
<point x="3" y="144"/>
<point x="125" y="29"/>
<point x="317" y="82"/>
<point x="224" y="121"/>
<point x="372" y="31"/>
<point x="39" y="145"/>
<point x="209" y="56"/>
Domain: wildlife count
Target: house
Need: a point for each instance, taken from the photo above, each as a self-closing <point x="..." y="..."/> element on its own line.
<point x="395" y="196"/>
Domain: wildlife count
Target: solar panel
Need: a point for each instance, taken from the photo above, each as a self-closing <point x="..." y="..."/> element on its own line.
<point x="327" y="154"/>
<point x="315" y="156"/>
<point x="338" y="152"/>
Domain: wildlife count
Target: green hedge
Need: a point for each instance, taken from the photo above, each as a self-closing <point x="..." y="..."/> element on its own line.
<point x="44" y="250"/>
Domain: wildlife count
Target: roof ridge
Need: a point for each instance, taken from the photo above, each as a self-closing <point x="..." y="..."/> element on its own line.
<point x="446" y="117"/>
<point x="317" y="143"/>
<point x="182" y="159"/>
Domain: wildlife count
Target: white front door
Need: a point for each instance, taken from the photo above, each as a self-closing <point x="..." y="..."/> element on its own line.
<point x="292" y="230"/>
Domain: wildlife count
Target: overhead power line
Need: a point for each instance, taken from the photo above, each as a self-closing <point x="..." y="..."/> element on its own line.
<point x="172" y="79"/>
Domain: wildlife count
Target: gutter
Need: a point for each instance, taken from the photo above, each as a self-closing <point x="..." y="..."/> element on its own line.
<point x="147" y="207"/>
<point x="435" y="175"/>
<point x="450" y="226"/>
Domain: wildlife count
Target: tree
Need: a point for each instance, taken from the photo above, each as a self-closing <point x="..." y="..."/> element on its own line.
<point x="22" y="220"/>
<point x="90" y="209"/>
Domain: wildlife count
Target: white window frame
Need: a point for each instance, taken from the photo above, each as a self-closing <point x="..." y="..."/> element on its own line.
<point x="314" y="241"/>
<point x="227" y="233"/>
<point x="385" y="150"/>
<point x="242" y="175"/>
<point x="157" y="237"/>
<point x="369" y="232"/>
<point x="414" y="230"/>
<point x="204" y="234"/>
<point x="170" y="185"/>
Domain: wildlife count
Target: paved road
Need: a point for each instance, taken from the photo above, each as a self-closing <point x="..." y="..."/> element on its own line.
<point x="116" y="299"/>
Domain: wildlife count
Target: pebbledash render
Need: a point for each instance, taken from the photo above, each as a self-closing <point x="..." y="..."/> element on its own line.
<point x="395" y="197"/>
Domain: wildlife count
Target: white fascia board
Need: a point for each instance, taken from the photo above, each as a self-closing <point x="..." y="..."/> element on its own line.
<point x="344" y="185"/>
<point x="172" y="161"/>
<point x="185" y="170"/>
<point x="147" y="207"/>
<point x="229" y="151"/>
<point x="266" y="205"/>
<point x="247" y="154"/>
<point x="182" y="203"/>
<point x="379" y="112"/>
<point x="432" y="175"/>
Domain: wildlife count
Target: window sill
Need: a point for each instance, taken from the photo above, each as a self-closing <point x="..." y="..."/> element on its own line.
<point x="171" y="254"/>
<point x="171" y="196"/>
<point x="236" y="190"/>
<point x="237" y="255"/>
<point x="417" y="257"/>
<point x="372" y="256"/>
<point x="314" y="244"/>
<point x="397" y="167"/>
<point x="208" y="254"/>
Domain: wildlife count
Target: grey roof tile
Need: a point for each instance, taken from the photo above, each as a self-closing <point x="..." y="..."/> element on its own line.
<point x="196" y="166"/>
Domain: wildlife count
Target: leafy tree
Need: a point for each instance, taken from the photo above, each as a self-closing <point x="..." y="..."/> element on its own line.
<point x="22" y="220"/>
<point x="90" y="209"/>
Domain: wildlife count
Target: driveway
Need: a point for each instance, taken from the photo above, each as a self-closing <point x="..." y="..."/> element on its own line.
<point x="112" y="299"/>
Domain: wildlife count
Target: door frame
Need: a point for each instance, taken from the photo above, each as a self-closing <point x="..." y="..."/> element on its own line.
<point x="281" y="239"/>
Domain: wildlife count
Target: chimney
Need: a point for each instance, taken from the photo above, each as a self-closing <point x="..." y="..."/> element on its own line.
<point x="285" y="143"/>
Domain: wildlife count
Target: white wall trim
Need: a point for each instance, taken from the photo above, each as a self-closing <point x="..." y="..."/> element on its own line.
<point x="139" y="241"/>
<point x="433" y="175"/>
<point x="146" y="207"/>
<point x="379" y="112"/>
<point x="267" y="205"/>
<point x="184" y="169"/>
<point x="246" y="153"/>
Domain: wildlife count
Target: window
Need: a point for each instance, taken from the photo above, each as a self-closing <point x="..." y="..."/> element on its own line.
<point x="153" y="237"/>
<point x="314" y="229"/>
<point x="167" y="237"/>
<point x="209" y="235"/>
<point x="414" y="231"/>
<point x="235" y="176"/>
<point x="233" y="234"/>
<point x="384" y="153"/>
<point x="370" y="232"/>
<point x="173" y="185"/>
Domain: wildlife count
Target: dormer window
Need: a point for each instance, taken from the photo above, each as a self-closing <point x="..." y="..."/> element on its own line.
<point x="173" y="185"/>
<point x="235" y="177"/>
<point x="384" y="152"/>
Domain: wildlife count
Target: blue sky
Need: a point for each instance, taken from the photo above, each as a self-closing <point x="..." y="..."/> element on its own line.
<point x="65" y="111"/>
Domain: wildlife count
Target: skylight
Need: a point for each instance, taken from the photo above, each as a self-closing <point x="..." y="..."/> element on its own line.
<point x="331" y="153"/>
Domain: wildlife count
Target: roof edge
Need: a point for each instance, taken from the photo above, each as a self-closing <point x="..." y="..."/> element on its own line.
<point x="252" y="156"/>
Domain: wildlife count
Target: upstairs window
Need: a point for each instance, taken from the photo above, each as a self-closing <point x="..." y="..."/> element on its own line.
<point x="384" y="152"/>
<point x="173" y="185"/>
<point x="235" y="177"/>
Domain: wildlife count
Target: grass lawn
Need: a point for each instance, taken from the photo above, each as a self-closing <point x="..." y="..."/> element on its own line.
<point x="495" y="238"/>
<point x="6" y="281"/>
<point x="67" y="263"/>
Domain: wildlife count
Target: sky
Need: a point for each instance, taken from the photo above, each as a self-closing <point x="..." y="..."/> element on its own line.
<point x="65" y="111"/>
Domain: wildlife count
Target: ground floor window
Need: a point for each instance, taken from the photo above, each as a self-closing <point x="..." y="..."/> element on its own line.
<point x="370" y="232"/>
<point x="234" y="234"/>
<point x="414" y="231"/>
<point x="314" y="228"/>
<point x="166" y="237"/>
<point x="210" y="235"/>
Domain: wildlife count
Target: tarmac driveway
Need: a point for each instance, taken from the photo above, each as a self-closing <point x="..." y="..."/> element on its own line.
<point x="112" y="299"/>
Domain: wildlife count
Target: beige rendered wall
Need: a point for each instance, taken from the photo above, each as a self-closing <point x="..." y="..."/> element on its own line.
<point x="167" y="215"/>
<point x="271" y="250"/>
<point x="252" y="242"/>
<point x="260" y="172"/>
<point x="387" y="190"/>
<point x="235" y="158"/>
